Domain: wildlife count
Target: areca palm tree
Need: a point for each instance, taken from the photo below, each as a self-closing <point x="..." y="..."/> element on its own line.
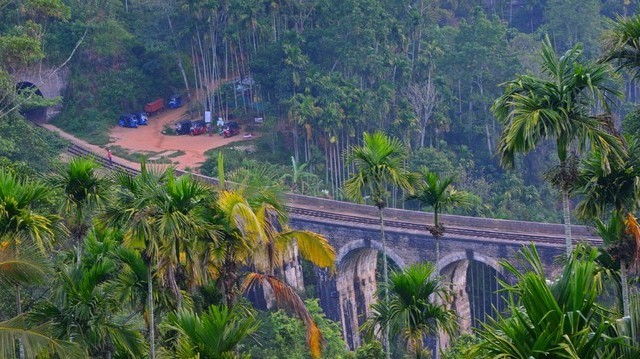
<point x="180" y="216"/>
<point x="551" y="318"/>
<point x="23" y="220"/>
<point x="416" y="309"/>
<point x="213" y="335"/>
<point x="27" y="266"/>
<point x="614" y="194"/>
<point x="622" y="43"/>
<point x="557" y="107"/>
<point x="255" y="233"/>
<point x="84" y="191"/>
<point x="84" y="305"/>
<point x="131" y="209"/>
<point x="439" y="194"/>
<point x="378" y="163"/>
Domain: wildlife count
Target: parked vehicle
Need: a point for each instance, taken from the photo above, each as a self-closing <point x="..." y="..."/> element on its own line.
<point x="232" y="128"/>
<point x="141" y="117"/>
<point x="175" y="101"/>
<point x="154" y="107"/>
<point x="183" y="127"/>
<point x="198" y="127"/>
<point x="128" y="120"/>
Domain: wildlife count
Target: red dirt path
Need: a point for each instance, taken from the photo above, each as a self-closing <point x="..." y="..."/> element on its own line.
<point x="150" y="140"/>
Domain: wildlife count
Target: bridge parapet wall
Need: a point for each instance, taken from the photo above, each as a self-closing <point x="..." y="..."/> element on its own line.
<point x="448" y="220"/>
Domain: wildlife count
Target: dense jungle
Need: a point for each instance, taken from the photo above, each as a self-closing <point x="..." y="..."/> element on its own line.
<point x="520" y="109"/>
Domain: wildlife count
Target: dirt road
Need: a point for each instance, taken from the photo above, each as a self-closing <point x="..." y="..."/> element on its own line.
<point x="149" y="140"/>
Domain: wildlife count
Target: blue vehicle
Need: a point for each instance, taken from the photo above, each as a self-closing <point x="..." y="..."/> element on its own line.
<point x="175" y="101"/>
<point x="128" y="120"/>
<point x="141" y="117"/>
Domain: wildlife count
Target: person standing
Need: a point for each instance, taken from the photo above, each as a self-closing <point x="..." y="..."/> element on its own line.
<point x="109" y="156"/>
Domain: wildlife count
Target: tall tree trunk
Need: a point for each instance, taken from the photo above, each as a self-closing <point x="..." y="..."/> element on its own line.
<point x="624" y="284"/>
<point x="385" y="276"/>
<point x="152" y="325"/>
<point x="19" y="311"/>
<point x="567" y="221"/>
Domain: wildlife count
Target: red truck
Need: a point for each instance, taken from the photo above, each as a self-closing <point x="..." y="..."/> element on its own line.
<point x="154" y="107"/>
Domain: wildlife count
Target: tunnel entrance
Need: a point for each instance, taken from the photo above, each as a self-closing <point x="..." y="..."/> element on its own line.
<point x="36" y="114"/>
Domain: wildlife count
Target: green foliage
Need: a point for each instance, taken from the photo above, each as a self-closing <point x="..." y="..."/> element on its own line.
<point x="461" y="346"/>
<point x="24" y="143"/>
<point x="280" y="333"/>
<point x="370" y="350"/>
<point x="560" y="318"/>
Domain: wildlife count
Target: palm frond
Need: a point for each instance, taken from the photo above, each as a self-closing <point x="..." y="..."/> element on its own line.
<point x="286" y="297"/>
<point x="34" y="340"/>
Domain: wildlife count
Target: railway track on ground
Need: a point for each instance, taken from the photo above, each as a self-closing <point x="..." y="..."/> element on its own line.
<point x="325" y="215"/>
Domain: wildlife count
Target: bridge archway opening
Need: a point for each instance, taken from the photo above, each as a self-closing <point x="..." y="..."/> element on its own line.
<point x="475" y="284"/>
<point x="35" y="114"/>
<point x="359" y="268"/>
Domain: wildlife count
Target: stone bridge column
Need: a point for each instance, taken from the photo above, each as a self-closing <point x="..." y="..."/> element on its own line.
<point x="356" y="285"/>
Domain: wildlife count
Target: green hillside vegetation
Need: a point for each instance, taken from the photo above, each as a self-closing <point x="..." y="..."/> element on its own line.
<point x="322" y="73"/>
<point x="516" y="103"/>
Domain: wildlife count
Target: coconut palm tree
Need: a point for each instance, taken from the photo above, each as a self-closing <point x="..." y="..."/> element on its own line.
<point x="439" y="194"/>
<point x="551" y="318"/>
<point x="379" y="162"/>
<point x="557" y="107"/>
<point x="416" y="308"/>
<point x="84" y="189"/>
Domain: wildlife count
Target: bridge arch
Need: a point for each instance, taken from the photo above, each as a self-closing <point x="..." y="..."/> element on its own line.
<point x="356" y="285"/>
<point x="357" y="244"/>
<point x="454" y="257"/>
<point x="474" y="279"/>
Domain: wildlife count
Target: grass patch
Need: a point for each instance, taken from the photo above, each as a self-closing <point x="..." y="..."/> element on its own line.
<point x="147" y="156"/>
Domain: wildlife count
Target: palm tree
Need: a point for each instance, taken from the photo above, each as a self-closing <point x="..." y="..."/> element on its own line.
<point x="614" y="194"/>
<point x="378" y="163"/>
<point x="546" y="318"/>
<point x="84" y="192"/>
<point x="255" y="233"/>
<point x="298" y="175"/>
<point x="416" y="309"/>
<point x="214" y="334"/>
<point x="622" y="43"/>
<point x="440" y="195"/>
<point x="84" y="305"/>
<point x="27" y="266"/>
<point x="179" y="217"/>
<point x="557" y="107"/>
<point x="132" y="210"/>
<point x="620" y="242"/>
<point x="23" y="220"/>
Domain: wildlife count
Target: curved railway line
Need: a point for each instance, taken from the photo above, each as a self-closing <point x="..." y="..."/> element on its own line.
<point x="324" y="215"/>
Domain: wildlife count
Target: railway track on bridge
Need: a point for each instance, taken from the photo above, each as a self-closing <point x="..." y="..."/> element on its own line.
<point x="321" y="215"/>
<point x="452" y="230"/>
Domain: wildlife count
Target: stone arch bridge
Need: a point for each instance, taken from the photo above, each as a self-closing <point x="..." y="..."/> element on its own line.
<point x="470" y="251"/>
